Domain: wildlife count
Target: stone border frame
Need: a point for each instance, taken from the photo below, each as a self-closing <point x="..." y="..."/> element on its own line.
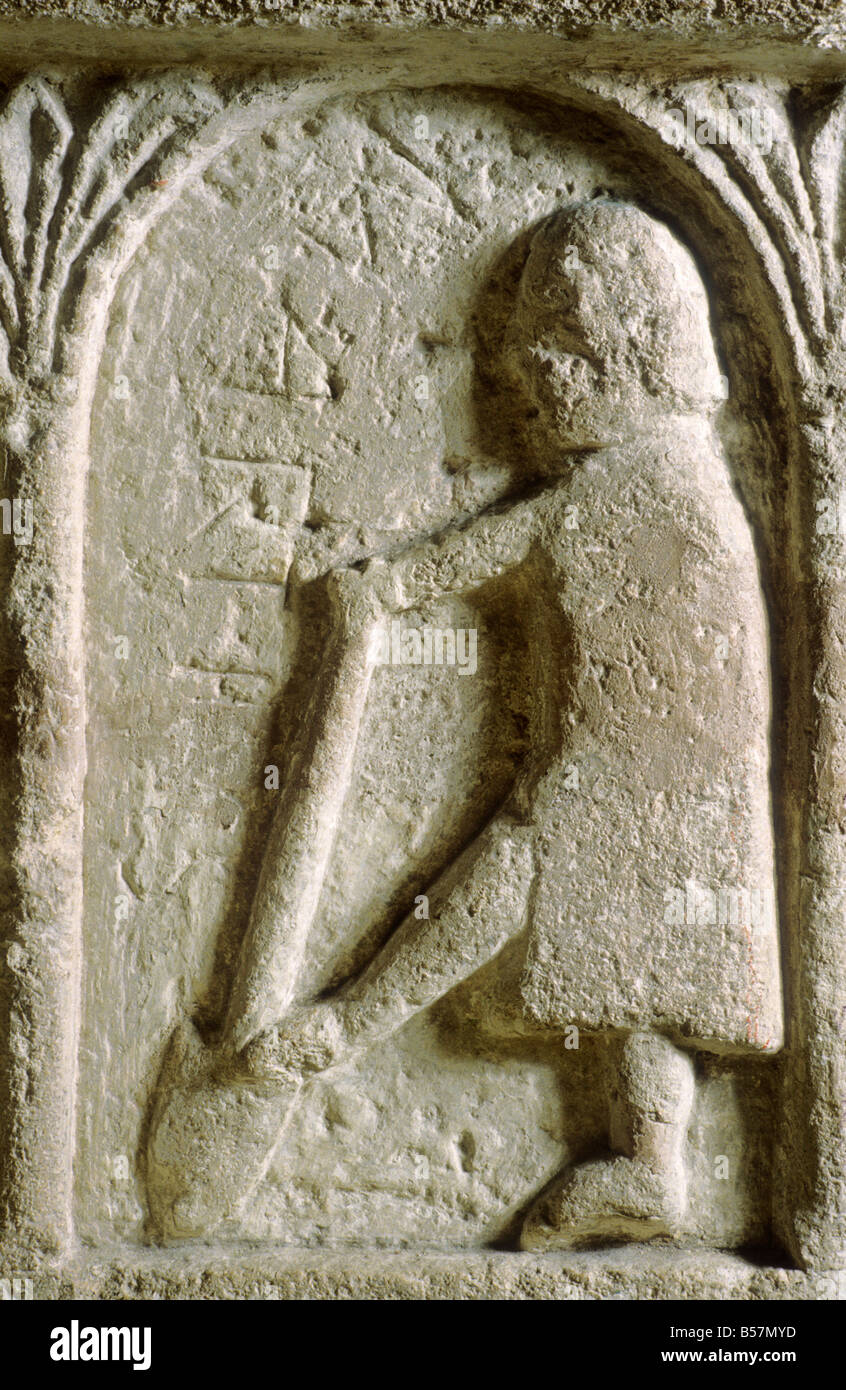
<point x="188" y="118"/>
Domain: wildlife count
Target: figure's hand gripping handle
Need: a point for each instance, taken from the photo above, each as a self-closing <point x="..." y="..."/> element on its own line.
<point x="463" y="558"/>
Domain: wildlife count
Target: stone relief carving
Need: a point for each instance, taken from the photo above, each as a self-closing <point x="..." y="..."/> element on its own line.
<point x="615" y="881"/>
<point x="646" y="561"/>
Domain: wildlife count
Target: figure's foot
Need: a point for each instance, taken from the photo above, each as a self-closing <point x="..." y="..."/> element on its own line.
<point x="310" y="1039"/>
<point x="610" y="1199"/>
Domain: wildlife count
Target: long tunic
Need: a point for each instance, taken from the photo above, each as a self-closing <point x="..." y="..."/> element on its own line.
<point x="648" y="784"/>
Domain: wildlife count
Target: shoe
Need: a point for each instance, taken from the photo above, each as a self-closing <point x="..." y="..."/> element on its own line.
<point x="615" y="1199"/>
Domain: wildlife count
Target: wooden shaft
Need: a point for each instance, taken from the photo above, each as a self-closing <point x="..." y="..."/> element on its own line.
<point x="300" y="842"/>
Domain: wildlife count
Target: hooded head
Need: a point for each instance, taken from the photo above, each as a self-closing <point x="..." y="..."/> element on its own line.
<point x="611" y="330"/>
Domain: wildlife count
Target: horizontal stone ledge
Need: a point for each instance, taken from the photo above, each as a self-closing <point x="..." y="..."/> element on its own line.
<point x="662" y="1272"/>
<point x="800" y="40"/>
<point x="791" y="17"/>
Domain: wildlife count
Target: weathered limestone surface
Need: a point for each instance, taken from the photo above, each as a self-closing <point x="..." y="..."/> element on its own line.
<point x="423" y="651"/>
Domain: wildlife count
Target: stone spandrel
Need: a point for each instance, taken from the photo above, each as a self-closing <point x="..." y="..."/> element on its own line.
<point x="438" y="734"/>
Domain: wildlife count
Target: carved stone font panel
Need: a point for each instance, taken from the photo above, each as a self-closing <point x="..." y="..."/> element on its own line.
<point x="423" y="649"/>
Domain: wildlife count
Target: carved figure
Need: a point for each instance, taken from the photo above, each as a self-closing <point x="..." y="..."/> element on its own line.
<point x="634" y="856"/>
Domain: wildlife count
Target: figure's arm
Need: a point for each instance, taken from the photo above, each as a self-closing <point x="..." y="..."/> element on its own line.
<point x="479" y="903"/>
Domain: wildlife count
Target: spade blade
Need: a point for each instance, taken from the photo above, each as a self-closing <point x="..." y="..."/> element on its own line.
<point x="211" y="1140"/>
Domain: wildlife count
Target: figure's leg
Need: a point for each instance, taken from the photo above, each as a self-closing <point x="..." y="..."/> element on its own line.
<point x="642" y="1193"/>
<point x="477" y="905"/>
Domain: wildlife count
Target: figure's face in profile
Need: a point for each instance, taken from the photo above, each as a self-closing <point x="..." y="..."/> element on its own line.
<point x="610" y="331"/>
